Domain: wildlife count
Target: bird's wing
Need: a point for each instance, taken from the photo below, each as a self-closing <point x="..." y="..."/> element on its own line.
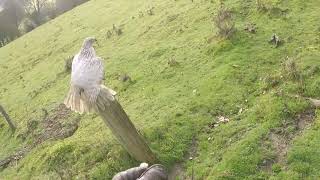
<point x="94" y="78"/>
<point x="87" y="73"/>
<point x="92" y="72"/>
<point x="99" y="66"/>
<point x="75" y="64"/>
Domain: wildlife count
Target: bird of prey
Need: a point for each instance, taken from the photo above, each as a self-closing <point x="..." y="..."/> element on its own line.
<point x="86" y="79"/>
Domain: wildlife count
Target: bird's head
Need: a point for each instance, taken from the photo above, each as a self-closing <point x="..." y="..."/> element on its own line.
<point x="89" y="41"/>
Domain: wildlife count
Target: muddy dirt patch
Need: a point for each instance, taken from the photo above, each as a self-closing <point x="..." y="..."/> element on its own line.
<point x="59" y="123"/>
<point x="281" y="138"/>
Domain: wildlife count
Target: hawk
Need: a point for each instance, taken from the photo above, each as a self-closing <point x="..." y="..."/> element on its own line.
<point x="87" y="77"/>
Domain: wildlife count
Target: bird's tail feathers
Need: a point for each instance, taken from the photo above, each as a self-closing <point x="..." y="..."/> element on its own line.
<point x="76" y="102"/>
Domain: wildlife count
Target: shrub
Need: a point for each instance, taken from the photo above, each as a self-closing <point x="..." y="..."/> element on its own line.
<point x="109" y="34"/>
<point x="290" y="69"/>
<point x="262" y="5"/>
<point x="117" y="30"/>
<point x="150" y="11"/>
<point x="224" y="22"/>
<point x="275" y="40"/>
<point x="68" y="64"/>
<point x="172" y="62"/>
<point x="125" y="78"/>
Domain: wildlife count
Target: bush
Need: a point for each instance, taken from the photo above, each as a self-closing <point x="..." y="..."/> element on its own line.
<point x="224" y="22"/>
<point x="262" y="5"/>
<point x="150" y="11"/>
<point x="68" y="64"/>
<point x="117" y="30"/>
<point x="290" y="69"/>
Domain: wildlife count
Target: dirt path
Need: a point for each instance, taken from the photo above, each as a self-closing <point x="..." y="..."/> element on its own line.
<point x="178" y="170"/>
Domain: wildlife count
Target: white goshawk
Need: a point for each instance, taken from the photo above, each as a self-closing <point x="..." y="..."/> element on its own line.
<point x="86" y="79"/>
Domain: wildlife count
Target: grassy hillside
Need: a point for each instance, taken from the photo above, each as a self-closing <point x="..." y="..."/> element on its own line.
<point x="272" y="134"/>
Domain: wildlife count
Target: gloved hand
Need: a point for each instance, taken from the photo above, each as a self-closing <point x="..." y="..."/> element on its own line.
<point x="154" y="172"/>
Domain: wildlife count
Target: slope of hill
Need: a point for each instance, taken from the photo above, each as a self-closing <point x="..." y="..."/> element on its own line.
<point x="272" y="132"/>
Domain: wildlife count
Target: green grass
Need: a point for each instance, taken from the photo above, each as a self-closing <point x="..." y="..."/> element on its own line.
<point x="227" y="75"/>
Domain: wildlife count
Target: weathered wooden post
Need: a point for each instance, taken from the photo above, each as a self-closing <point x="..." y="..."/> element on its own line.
<point x="117" y="120"/>
<point x="7" y="118"/>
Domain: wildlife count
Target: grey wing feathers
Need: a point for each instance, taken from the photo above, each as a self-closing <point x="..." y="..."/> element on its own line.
<point x="100" y="69"/>
<point x="74" y="61"/>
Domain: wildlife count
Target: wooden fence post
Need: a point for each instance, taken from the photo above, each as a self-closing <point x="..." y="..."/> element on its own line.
<point x="7" y="118"/>
<point x="123" y="129"/>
